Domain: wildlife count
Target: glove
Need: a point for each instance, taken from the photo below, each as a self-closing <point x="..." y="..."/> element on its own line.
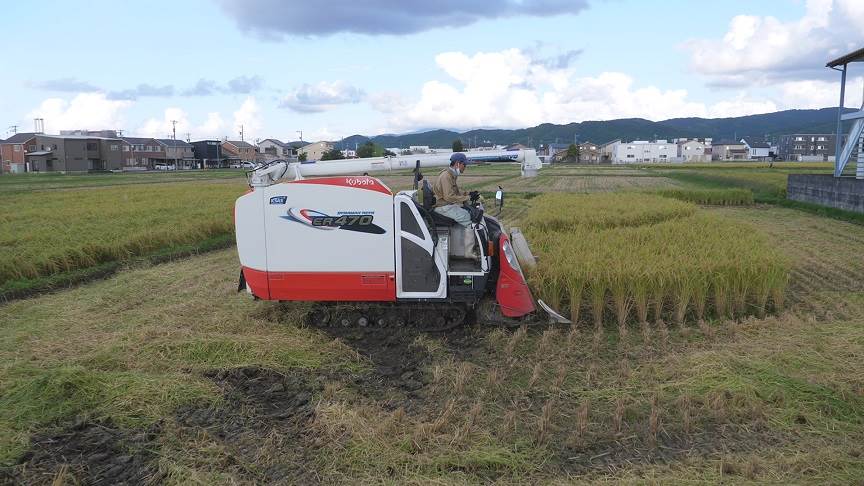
<point x="474" y="195"/>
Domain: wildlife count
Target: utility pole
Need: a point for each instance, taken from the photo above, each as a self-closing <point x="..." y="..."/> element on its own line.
<point x="174" y="142"/>
<point x="241" y="133"/>
<point x="13" y="129"/>
<point x="301" y="134"/>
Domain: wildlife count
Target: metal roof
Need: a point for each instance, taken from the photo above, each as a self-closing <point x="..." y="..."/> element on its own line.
<point x="170" y="142"/>
<point x="276" y="142"/>
<point x="138" y="140"/>
<point x="19" y="138"/>
<point x="240" y="144"/>
<point x="857" y="56"/>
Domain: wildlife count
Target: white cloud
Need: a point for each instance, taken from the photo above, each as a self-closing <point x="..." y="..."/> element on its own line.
<point x="90" y="111"/>
<point x="249" y="116"/>
<point x="213" y="126"/>
<point x="512" y="88"/>
<point x="322" y="96"/>
<point x="161" y="128"/>
<point x="757" y="49"/>
<point x="819" y="94"/>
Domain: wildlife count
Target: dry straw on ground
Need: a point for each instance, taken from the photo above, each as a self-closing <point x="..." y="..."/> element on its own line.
<point x="622" y="257"/>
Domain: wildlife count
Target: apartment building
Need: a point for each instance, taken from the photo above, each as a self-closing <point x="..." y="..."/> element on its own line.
<point x="643" y="151"/>
<point x="74" y="153"/>
<point x="808" y="147"/>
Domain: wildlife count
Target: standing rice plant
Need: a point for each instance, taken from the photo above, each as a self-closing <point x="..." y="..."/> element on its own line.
<point x="622" y="300"/>
<point x="658" y="295"/>
<point x="700" y="289"/>
<point x="597" y="291"/>
<point x="641" y="294"/>
<point x="721" y="296"/>
<point x="683" y="292"/>
<point x="576" y="285"/>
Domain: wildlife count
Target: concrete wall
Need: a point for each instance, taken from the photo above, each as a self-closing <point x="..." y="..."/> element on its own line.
<point x="826" y="190"/>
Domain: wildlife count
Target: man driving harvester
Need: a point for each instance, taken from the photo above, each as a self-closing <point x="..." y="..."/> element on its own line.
<point x="449" y="200"/>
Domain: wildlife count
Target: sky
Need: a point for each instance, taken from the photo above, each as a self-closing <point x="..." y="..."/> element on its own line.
<point x="333" y="68"/>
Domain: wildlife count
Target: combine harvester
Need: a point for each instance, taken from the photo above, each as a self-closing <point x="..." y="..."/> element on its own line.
<point x="367" y="257"/>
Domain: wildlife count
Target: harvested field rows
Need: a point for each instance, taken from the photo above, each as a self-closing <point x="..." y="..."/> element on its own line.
<point x="827" y="263"/>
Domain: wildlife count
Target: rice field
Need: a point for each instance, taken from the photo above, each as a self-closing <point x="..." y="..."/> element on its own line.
<point x="59" y="231"/>
<point x="713" y="197"/>
<point x="634" y="257"/>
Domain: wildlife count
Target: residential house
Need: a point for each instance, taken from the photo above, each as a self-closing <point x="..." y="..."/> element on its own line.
<point x="209" y="154"/>
<point x="808" y="147"/>
<point x="729" y="150"/>
<point x="759" y="149"/>
<point x="607" y="151"/>
<point x="142" y="152"/>
<point x="694" y="150"/>
<point x="643" y="151"/>
<point x="13" y="150"/>
<point x="550" y="152"/>
<point x="74" y="153"/>
<point x="314" y="151"/>
<point x="589" y="153"/>
<point x="178" y="153"/>
<point x="271" y="148"/>
<point x="245" y="151"/>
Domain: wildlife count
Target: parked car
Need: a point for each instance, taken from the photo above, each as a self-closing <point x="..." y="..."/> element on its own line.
<point x="243" y="165"/>
<point x="165" y="167"/>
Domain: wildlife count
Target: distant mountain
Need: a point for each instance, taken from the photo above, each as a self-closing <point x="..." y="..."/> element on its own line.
<point x="770" y="124"/>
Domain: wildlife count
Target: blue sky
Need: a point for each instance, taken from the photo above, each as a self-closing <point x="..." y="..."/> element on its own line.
<point x="331" y="68"/>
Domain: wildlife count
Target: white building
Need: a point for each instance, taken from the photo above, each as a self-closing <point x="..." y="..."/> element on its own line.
<point x="759" y="150"/>
<point x="642" y="151"/>
<point x="694" y="150"/>
<point x="418" y="149"/>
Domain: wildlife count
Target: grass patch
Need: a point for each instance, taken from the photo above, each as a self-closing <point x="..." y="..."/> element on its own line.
<point x="38" y="397"/>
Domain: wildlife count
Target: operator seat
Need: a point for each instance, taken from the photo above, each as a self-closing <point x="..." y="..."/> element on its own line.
<point x="429" y="205"/>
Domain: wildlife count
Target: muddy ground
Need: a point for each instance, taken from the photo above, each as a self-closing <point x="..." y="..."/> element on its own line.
<point x="261" y="425"/>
